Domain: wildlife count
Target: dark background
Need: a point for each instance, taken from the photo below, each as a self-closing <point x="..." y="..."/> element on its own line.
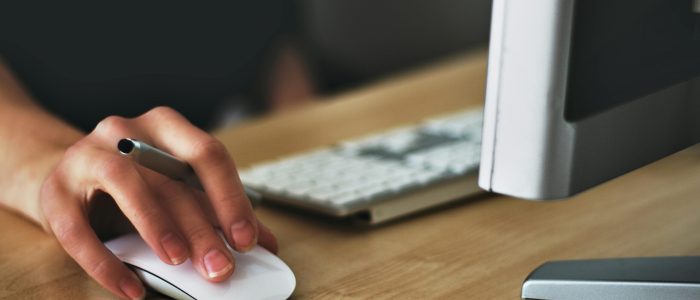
<point x="87" y="60"/>
<point x="626" y="49"/>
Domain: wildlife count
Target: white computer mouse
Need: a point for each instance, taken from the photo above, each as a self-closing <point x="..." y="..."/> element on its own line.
<point x="259" y="274"/>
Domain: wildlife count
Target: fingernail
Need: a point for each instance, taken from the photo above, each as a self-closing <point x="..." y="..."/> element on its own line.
<point x="132" y="287"/>
<point x="216" y="263"/>
<point x="243" y="235"/>
<point x="175" y="248"/>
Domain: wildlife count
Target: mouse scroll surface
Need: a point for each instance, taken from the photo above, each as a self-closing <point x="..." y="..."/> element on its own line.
<point x="259" y="274"/>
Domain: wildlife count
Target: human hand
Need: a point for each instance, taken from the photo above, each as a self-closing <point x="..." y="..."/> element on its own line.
<point x="176" y="221"/>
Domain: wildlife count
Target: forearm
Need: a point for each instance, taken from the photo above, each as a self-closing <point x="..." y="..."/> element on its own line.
<point x="32" y="141"/>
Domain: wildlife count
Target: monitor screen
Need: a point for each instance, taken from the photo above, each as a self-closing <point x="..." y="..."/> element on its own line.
<point x="623" y="50"/>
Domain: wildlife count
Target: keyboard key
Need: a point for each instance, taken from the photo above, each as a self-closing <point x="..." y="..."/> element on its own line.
<point x="376" y="166"/>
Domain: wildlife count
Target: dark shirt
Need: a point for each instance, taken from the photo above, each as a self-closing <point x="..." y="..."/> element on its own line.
<point x="98" y="58"/>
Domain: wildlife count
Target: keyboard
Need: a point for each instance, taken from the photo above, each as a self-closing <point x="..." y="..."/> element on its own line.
<point x="381" y="176"/>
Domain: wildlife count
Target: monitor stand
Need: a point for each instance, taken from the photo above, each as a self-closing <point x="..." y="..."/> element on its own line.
<point x="624" y="278"/>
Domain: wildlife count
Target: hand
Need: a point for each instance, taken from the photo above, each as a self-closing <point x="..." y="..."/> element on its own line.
<point x="177" y="222"/>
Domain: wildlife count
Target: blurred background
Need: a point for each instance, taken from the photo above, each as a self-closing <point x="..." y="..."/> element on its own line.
<point x="337" y="45"/>
<point x="220" y="63"/>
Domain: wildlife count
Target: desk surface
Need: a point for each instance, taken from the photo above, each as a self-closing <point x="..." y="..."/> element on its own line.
<point x="475" y="249"/>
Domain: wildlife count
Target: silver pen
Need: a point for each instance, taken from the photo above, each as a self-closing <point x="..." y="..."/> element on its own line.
<point x="168" y="165"/>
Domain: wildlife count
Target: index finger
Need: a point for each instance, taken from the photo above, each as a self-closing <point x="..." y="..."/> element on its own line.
<point x="216" y="170"/>
<point x="70" y="225"/>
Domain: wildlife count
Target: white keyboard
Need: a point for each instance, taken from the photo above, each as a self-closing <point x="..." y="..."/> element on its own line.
<point x="357" y="174"/>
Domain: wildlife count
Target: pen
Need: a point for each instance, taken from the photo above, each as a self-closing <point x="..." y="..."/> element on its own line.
<point x="168" y="165"/>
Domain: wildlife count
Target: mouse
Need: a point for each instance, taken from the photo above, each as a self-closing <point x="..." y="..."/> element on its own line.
<point x="259" y="274"/>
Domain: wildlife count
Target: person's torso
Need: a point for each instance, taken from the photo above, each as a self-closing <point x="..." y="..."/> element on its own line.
<point x="85" y="62"/>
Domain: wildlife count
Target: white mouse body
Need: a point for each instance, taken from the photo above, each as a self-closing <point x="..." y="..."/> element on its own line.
<point x="259" y="274"/>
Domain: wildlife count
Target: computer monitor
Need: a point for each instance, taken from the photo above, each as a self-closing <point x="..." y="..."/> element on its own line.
<point x="580" y="92"/>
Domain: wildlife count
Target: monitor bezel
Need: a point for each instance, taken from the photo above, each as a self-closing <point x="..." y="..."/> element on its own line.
<point x="529" y="149"/>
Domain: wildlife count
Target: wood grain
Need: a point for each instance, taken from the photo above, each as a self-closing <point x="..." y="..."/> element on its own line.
<point x="479" y="248"/>
<point x="456" y="84"/>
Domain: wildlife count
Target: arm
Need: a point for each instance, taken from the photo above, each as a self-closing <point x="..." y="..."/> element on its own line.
<point x="55" y="175"/>
<point x="33" y="141"/>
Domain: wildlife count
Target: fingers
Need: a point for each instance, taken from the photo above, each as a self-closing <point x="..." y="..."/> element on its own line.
<point x="70" y="226"/>
<point x="118" y="176"/>
<point x="209" y="158"/>
<point x="174" y="222"/>
<point x="266" y="238"/>
<point x="210" y="256"/>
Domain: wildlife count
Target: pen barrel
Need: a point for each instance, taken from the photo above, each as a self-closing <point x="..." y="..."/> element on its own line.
<point x="164" y="163"/>
<point x="168" y="165"/>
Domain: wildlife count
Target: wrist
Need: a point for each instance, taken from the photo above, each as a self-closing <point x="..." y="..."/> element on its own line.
<point x="22" y="193"/>
<point x="20" y="189"/>
<point x="33" y="142"/>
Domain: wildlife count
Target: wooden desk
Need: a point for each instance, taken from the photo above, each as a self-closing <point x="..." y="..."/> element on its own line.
<point x="476" y="249"/>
